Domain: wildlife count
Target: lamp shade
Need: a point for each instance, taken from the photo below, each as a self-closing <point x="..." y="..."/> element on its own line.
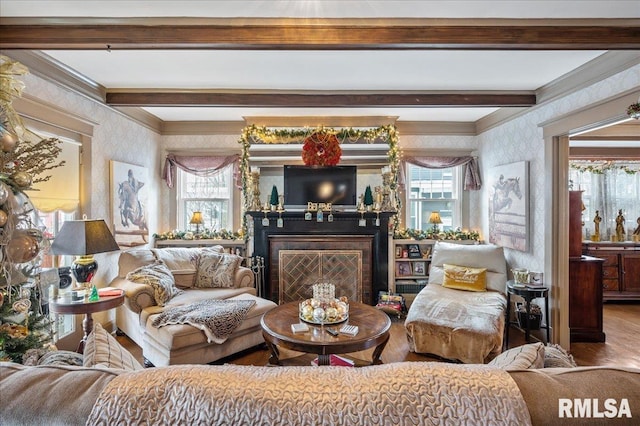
<point x="84" y="237"/>
<point x="435" y="218"/>
<point x="197" y="219"/>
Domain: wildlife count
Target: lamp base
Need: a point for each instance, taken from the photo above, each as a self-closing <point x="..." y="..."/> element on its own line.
<point x="84" y="268"/>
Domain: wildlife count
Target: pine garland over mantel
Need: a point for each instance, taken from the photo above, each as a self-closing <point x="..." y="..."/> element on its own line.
<point x="346" y="135"/>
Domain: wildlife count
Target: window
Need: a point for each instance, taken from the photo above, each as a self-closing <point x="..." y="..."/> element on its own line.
<point x="433" y="190"/>
<point x="608" y="186"/>
<point x="211" y="195"/>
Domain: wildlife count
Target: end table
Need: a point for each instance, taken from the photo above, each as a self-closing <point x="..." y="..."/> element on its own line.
<point x="64" y="305"/>
<point x="528" y="294"/>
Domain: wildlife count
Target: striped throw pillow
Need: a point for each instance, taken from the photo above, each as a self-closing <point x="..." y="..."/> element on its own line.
<point x="102" y="350"/>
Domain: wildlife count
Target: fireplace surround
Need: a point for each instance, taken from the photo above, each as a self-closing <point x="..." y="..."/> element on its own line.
<point x="360" y="252"/>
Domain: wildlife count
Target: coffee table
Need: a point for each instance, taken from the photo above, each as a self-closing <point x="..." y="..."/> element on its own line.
<point x="373" y="331"/>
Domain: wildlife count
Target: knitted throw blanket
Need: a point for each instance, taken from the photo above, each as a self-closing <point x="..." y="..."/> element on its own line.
<point x="217" y="318"/>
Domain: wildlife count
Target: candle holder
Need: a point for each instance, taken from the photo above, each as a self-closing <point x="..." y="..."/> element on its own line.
<point x="256" y="205"/>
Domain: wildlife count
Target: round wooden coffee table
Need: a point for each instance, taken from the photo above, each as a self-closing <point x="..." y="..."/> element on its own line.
<point x="373" y="331"/>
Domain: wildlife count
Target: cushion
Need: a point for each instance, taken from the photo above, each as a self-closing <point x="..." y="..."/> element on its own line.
<point x="465" y="278"/>
<point x="487" y="256"/>
<point x="158" y="276"/>
<point x="134" y="259"/>
<point x="521" y="357"/>
<point x="217" y="270"/>
<point x="184" y="279"/>
<point x="556" y="356"/>
<point x="102" y="349"/>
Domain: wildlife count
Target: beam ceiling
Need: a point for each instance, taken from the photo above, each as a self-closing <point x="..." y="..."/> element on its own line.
<point x="321" y="34"/>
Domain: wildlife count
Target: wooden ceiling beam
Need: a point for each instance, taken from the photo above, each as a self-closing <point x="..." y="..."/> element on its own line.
<point x="333" y="35"/>
<point x="319" y="99"/>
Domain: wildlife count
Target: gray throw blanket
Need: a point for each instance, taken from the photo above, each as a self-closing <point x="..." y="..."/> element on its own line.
<point x="217" y="318"/>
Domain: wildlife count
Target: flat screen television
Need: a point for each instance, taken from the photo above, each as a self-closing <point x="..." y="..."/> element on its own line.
<point x="318" y="184"/>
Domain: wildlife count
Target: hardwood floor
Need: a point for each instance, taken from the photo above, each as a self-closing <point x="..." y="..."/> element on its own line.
<point x="622" y="348"/>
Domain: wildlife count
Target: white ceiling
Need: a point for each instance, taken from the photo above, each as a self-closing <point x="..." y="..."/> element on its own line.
<point x="426" y="70"/>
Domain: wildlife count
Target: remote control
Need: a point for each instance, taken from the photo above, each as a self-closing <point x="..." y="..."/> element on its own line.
<point x="332" y="332"/>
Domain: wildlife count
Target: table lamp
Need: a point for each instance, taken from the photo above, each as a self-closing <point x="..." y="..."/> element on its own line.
<point x="435" y="219"/>
<point x="84" y="238"/>
<point x="197" y="220"/>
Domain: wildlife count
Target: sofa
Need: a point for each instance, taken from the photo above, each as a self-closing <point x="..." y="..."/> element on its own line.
<point x="406" y="393"/>
<point x="196" y="275"/>
<point x="107" y="385"/>
<point x="460" y="314"/>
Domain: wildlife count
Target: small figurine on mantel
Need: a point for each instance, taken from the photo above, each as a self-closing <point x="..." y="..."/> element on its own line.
<point x="620" y="226"/>
<point x="597" y="220"/>
<point x="637" y="230"/>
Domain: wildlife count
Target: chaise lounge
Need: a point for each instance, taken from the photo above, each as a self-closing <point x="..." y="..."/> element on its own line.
<point x="455" y="324"/>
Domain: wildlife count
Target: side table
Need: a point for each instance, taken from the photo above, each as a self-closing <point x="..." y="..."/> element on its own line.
<point x="528" y="294"/>
<point x="64" y="305"/>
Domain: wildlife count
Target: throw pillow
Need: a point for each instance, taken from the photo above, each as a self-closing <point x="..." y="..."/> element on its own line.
<point x="61" y="358"/>
<point x="102" y="350"/>
<point x="158" y="276"/>
<point x="521" y="358"/>
<point x="465" y="278"/>
<point x="556" y="356"/>
<point x="217" y="270"/>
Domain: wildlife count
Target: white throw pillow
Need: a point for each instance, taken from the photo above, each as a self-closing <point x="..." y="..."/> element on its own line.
<point x="521" y="358"/>
<point x="217" y="270"/>
<point x="103" y="350"/>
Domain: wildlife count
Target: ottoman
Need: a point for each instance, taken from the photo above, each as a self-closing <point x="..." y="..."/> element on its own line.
<point x="184" y="344"/>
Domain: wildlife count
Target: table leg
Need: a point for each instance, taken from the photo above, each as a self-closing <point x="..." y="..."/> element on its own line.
<point x="527" y="331"/>
<point x="87" y="326"/>
<point x="507" y="322"/>
<point x="375" y="359"/>
<point x="546" y="317"/>
<point x="324" y="359"/>
<point x="273" y="359"/>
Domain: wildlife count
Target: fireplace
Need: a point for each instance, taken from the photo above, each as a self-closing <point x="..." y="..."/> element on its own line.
<point x="351" y="252"/>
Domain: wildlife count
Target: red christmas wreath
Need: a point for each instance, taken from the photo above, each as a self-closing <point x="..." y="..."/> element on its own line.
<point x="321" y="149"/>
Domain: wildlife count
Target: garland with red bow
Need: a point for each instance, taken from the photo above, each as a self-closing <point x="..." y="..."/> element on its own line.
<point x="321" y="149"/>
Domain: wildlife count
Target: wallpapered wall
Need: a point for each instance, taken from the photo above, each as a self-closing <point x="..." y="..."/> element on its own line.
<point x="115" y="137"/>
<point x="518" y="140"/>
<point x="521" y="139"/>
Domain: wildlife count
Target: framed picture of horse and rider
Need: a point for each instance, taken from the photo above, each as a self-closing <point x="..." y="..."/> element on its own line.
<point x="129" y="197"/>
<point x="509" y="205"/>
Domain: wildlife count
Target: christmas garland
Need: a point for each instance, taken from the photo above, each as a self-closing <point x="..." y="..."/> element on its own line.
<point x="321" y="149"/>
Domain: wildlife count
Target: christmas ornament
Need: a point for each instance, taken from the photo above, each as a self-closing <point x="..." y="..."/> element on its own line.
<point x="7" y="142"/>
<point x="22" y="306"/>
<point x="321" y="149"/>
<point x="4" y="193"/>
<point x="3" y="218"/>
<point x="22" y="179"/>
<point x="22" y="247"/>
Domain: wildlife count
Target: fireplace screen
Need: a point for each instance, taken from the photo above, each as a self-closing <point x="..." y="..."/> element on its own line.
<point x="300" y="269"/>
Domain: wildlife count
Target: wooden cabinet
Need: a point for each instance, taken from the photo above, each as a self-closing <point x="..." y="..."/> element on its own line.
<point x="585" y="299"/>
<point x="621" y="268"/>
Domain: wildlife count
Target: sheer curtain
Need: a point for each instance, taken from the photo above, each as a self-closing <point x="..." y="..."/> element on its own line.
<point x="608" y="187"/>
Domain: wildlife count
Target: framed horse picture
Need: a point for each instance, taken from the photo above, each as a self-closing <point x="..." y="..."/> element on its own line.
<point x="509" y="205"/>
<point x="129" y="203"/>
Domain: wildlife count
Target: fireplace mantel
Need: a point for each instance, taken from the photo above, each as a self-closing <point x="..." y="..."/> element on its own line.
<point x="343" y="224"/>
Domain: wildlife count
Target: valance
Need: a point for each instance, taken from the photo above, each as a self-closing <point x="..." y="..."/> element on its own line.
<point x="203" y="166"/>
<point x="472" y="180"/>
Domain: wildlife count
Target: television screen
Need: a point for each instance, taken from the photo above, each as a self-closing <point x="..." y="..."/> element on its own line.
<point x="333" y="184"/>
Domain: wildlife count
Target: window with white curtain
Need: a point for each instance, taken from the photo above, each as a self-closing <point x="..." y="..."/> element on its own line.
<point x="430" y="190"/>
<point x="211" y="195"/>
<point x="608" y="187"/>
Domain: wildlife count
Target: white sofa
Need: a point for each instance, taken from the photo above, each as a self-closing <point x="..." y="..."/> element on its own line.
<point x="183" y="343"/>
<point x="466" y="326"/>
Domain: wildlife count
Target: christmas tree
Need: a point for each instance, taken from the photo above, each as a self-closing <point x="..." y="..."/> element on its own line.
<point x="274" y="196"/>
<point x="368" y="196"/>
<point x="24" y="157"/>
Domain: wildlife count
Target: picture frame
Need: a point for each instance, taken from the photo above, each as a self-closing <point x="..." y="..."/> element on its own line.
<point x="129" y="201"/>
<point x="508" y="186"/>
<point x="398" y="252"/>
<point x="419" y="268"/>
<point x="403" y="269"/>
<point x="414" y="251"/>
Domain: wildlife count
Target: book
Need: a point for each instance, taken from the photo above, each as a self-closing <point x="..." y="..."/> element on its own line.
<point x="109" y="291"/>
<point x="336" y="361"/>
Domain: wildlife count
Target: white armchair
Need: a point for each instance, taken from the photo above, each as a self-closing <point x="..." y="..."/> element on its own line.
<point x="466" y="326"/>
